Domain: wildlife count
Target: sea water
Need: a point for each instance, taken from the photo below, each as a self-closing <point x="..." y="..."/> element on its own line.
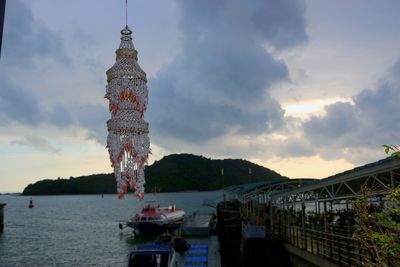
<point x="79" y="230"/>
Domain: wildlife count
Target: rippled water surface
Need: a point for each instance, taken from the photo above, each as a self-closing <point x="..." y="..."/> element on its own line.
<point x="77" y="230"/>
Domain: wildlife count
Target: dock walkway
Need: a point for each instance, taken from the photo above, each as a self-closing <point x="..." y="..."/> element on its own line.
<point x="197" y="256"/>
<point x="196" y="224"/>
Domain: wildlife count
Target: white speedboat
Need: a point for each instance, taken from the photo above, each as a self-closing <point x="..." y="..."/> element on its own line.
<point x="155" y="219"/>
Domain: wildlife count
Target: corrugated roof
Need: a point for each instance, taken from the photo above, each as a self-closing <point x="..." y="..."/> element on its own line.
<point x="245" y="188"/>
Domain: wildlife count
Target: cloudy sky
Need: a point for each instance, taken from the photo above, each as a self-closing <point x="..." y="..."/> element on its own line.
<point x="307" y="88"/>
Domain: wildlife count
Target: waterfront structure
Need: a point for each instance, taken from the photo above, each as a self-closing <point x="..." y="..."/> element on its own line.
<point x="314" y="219"/>
<point x="2" y="217"/>
<point x="127" y="142"/>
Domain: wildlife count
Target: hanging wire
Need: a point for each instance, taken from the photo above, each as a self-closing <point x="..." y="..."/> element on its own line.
<point x="126" y="12"/>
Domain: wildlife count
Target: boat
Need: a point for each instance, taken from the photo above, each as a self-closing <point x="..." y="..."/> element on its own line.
<point x="155" y="219"/>
<point x="165" y="238"/>
<point x="178" y="242"/>
<point x="157" y="255"/>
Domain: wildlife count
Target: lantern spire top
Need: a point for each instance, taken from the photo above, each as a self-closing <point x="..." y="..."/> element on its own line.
<point x="126" y="33"/>
<point x="126" y="38"/>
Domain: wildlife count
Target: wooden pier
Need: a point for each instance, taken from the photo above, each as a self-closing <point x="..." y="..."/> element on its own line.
<point x="2" y="217"/>
<point x="240" y="246"/>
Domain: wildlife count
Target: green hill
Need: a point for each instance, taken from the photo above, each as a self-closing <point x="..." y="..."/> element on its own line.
<point x="176" y="172"/>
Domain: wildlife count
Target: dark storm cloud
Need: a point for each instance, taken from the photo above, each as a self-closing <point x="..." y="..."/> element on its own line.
<point x="93" y="118"/>
<point x="17" y="104"/>
<point x="370" y="122"/>
<point x="36" y="142"/>
<point x="292" y="148"/>
<point x="22" y="106"/>
<point x="339" y="121"/>
<point x="25" y="38"/>
<point x="219" y="82"/>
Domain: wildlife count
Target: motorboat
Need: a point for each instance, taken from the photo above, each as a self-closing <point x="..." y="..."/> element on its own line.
<point x="155" y="219"/>
<point x="157" y="255"/>
<point x="178" y="242"/>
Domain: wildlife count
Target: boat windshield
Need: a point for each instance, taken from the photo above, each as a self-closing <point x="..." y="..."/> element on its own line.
<point x="149" y="208"/>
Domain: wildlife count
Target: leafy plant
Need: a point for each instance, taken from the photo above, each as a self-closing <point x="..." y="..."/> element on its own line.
<point x="379" y="232"/>
<point x="393" y="150"/>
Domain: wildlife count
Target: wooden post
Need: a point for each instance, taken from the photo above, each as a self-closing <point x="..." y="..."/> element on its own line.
<point x="2" y="217"/>
<point x="271" y="220"/>
<point x="326" y="231"/>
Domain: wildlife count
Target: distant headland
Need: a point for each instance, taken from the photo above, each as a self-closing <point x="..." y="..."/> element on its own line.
<point x="173" y="173"/>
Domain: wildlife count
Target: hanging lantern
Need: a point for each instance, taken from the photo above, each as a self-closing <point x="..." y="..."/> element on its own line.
<point x="127" y="142"/>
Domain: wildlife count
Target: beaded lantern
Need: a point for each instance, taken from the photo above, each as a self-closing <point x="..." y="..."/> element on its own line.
<point x="127" y="142"/>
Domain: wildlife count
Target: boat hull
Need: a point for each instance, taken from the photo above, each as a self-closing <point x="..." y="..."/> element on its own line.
<point x="155" y="220"/>
<point x="152" y="228"/>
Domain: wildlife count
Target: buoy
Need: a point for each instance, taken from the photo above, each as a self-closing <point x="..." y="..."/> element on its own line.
<point x="30" y="204"/>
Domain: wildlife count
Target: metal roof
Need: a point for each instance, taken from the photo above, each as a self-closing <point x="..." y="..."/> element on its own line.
<point x="300" y="186"/>
<point x="245" y="188"/>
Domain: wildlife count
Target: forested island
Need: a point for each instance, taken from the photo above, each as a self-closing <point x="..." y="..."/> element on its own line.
<point x="173" y="173"/>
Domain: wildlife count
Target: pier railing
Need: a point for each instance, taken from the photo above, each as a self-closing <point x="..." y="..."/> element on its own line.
<point x="329" y="242"/>
<point x="317" y="216"/>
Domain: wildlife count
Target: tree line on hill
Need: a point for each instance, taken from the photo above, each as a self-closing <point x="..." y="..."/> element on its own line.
<point x="173" y="173"/>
